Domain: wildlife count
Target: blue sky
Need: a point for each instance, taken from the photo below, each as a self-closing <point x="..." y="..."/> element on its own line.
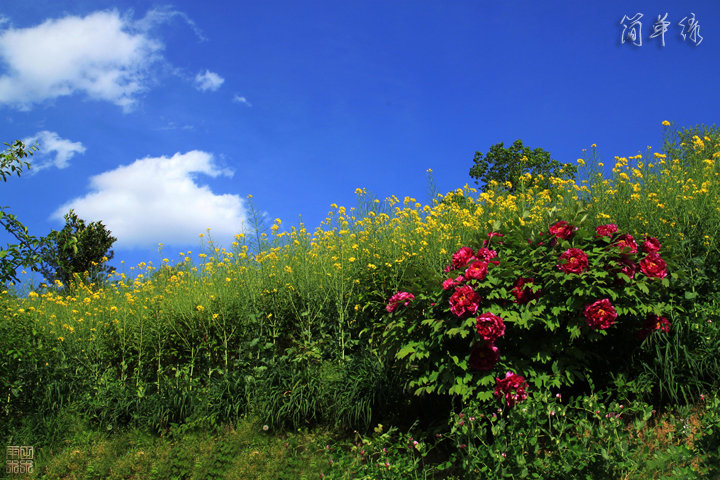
<point x="161" y="118"/>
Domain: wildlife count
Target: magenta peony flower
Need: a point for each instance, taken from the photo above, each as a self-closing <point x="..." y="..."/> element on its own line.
<point x="522" y="293"/>
<point x="464" y="301"/>
<point x="512" y="387"/>
<point x="626" y="243"/>
<point x="484" y="357"/>
<point x="490" y="327"/>
<point x="606" y="230"/>
<point x="573" y="260"/>
<point x="562" y="229"/>
<point x="650" y="245"/>
<point x="477" y="270"/>
<point x="653" y="322"/>
<point x="600" y="314"/>
<point x="653" y="266"/>
<point x="397" y="299"/>
<point x="462" y="257"/>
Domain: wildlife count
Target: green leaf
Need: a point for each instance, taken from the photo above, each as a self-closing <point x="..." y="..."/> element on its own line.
<point x="406" y="350"/>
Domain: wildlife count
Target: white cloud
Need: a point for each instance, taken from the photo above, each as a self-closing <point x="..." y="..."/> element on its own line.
<point x="156" y="200"/>
<point x="103" y="55"/>
<point x="53" y="151"/>
<point x="238" y="99"/>
<point x="208" y="81"/>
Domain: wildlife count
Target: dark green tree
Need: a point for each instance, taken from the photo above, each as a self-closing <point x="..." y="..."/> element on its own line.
<point x="24" y="253"/>
<point x="509" y="164"/>
<point x="76" y="249"/>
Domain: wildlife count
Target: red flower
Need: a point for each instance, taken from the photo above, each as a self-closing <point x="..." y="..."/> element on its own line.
<point x="601" y="314"/>
<point x="653" y="266"/>
<point x="512" y="387"/>
<point x="484" y="357"/>
<point x="490" y="327"/>
<point x="477" y="270"/>
<point x="628" y="267"/>
<point x="485" y="254"/>
<point x="654" y="322"/>
<point x="650" y="245"/>
<point x="453" y="282"/>
<point x="464" y="301"/>
<point x="575" y="261"/>
<point x="606" y="230"/>
<point x="462" y="257"/>
<point x="522" y="293"/>
<point x="397" y="299"/>
<point x="625" y="242"/>
<point x="563" y="230"/>
<point x="490" y="236"/>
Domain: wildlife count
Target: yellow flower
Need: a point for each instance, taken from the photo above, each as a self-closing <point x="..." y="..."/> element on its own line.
<point x="200" y="308"/>
<point x="351" y="259"/>
<point x="593" y="146"/>
<point x="581" y="161"/>
<point x="665" y="123"/>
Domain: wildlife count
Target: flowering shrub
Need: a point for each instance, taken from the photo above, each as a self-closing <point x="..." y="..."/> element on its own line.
<point x="552" y="312"/>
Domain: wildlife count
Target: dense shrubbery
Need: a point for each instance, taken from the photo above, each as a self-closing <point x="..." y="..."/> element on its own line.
<point x="299" y="329"/>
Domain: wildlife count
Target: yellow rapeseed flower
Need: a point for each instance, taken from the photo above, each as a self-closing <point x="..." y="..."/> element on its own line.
<point x="665" y="123"/>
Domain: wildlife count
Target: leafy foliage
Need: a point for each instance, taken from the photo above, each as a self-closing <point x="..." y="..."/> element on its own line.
<point x="510" y="164"/>
<point x="25" y="253"/>
<point x="76" y="249"/>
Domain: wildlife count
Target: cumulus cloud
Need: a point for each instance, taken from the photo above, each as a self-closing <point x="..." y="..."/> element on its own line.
<point x="53" y="151"/>
<point x="238" y="99"/>
<point x="102" y="55"/>
<point x="157" y="200"/>
<point x="208" y="81"/>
